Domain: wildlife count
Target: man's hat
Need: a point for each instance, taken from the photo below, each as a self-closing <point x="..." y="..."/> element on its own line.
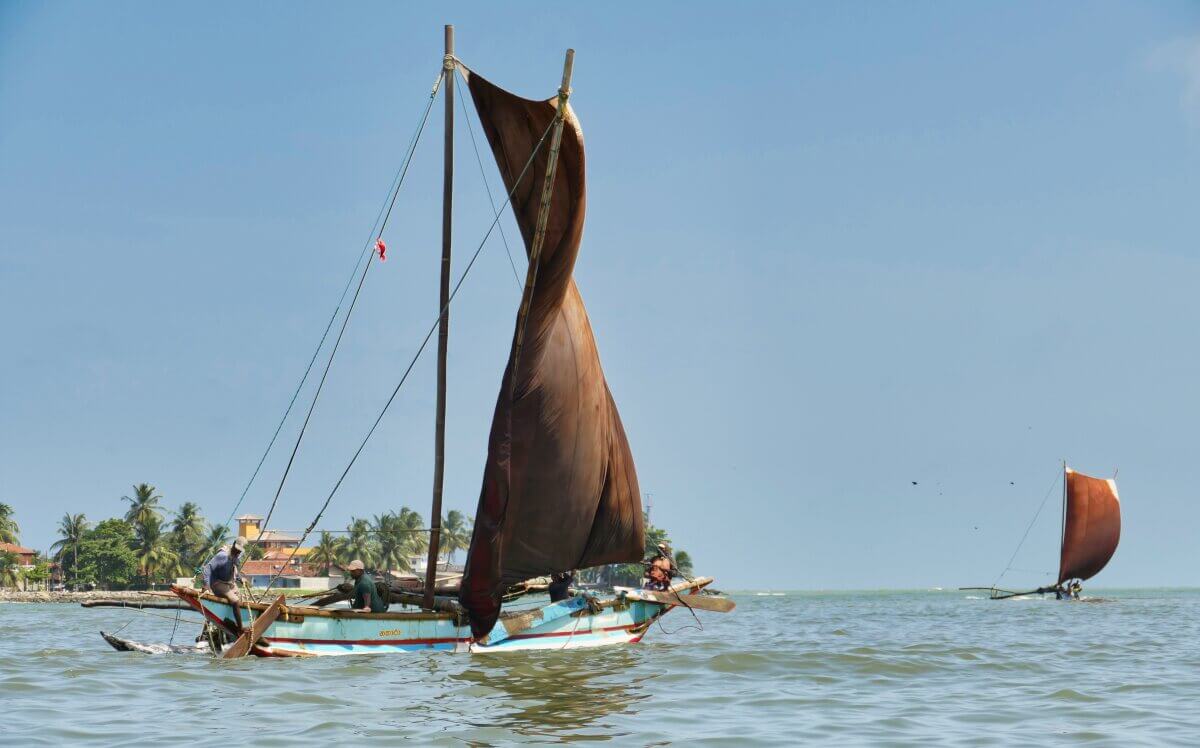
<point x="239" y="545"/>
<point x="355" y="565"/>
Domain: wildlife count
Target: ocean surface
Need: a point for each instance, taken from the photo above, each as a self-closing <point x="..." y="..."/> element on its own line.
<point x="863" y="668"/>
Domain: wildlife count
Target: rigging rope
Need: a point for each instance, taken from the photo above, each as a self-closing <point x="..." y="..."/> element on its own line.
<point x="483" y="175"/>
<point x="433" y="328"/>
<point x="1027" y="529"/>
<point x="353" y="301"/>
<point x="393" y="186"/>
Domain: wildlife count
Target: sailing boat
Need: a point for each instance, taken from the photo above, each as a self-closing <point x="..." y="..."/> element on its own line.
<point x="1091" y="529"/>
<point x="560" y="491"/>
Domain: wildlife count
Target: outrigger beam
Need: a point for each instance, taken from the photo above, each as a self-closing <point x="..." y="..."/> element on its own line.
<point x="241" y="647"/>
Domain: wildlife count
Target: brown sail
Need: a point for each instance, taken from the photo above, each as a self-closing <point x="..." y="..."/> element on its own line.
<point x="559" y="487"/>
<point x="1091" y="526"/>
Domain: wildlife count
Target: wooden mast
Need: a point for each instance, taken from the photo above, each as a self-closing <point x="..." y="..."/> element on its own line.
<point x="539" y="234"/>
<point x="439" y="439"/>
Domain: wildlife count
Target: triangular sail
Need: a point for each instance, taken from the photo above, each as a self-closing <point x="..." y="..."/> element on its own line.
<point x="559" y="487"/>
<point x="1091" y="526"/>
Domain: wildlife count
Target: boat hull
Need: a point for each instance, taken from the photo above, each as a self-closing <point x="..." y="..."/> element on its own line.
<point x="307" y="631"/>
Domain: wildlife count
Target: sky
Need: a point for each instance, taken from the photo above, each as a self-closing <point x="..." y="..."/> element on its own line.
<point x="831" y="250"/>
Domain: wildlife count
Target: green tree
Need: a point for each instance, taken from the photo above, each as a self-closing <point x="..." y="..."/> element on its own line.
<point x="327" y="552"/>
<point x="456" y="534"/>
<point x="71" y="529"/>
<point x="40" y="572"/>
<point x="10" y="569"/>
<point x="187" y="534"/>
<point x="392" y="542"/>
<point x="414" y="531"/>
<point x="143" y="505"/>
<point x="359" y="542"/>
<point x="155" y="557"/>
<point x="9" y="531"/>
<point x="216" y="537"/>
<point x="107" y="556"/>
<point x="683" y="560"/>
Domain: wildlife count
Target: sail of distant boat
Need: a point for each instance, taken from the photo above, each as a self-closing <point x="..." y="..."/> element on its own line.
<point x="560" y="491"/>
<point x="1091" y="526"/>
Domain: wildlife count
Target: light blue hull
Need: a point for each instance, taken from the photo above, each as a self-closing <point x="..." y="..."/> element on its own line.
<point x="306" y="631"/>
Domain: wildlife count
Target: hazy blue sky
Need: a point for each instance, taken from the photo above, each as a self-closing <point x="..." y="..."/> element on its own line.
<point x="830" y="250"/>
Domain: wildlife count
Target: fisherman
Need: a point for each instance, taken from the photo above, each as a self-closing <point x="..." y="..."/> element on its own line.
<point x="221" y="575"/>
<point x="657" y="578"/>
<point x="1076" y="588"/>
<point x="560" y="586"/>
<point x="366" y="596"/>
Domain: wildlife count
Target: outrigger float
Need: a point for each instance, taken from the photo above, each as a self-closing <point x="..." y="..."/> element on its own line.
<point x="559" y="490"/>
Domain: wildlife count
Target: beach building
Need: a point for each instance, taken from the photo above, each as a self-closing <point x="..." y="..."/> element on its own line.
<point x="25" y="556"/>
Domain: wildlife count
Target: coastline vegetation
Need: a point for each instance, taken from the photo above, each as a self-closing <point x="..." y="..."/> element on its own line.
<point x="150" y="545"/>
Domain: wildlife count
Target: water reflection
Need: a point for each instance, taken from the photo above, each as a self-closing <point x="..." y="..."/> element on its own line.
<point x="557" y="694"/>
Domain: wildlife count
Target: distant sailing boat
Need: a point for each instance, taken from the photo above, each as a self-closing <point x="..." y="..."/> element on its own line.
<point x="560" y="491"/>
<point x="1091" y="529"/>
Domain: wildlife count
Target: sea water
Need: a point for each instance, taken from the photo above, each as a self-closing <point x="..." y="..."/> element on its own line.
<point x="854" y="668"/>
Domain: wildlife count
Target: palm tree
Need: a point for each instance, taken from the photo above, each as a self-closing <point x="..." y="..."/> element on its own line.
<point x="154" y="556"/>
<point x="414" y="529"/>
<point x="392" y="541"/>
<point x="456" y="533"/>
<point x="143" y="505"/>
<point x="71" y="529"/>
<point x="10" y="569"/>
<point x="9" y="531"/>
<point x="359" y="543"/>
<point x="216" y="537"/>
<point x="187" y="533"/>
<point x="328" y="551"/>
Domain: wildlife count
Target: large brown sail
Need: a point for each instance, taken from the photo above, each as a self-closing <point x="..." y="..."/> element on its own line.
<point x="1091" y="527"/>
<point x="559" y="487"/>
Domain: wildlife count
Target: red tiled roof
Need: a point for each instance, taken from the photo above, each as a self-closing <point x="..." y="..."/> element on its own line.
<point x="19" y="550"/>
<point x="266" y="567"/>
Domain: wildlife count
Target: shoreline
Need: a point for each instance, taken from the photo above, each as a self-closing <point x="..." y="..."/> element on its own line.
<point x="44" y="596"/>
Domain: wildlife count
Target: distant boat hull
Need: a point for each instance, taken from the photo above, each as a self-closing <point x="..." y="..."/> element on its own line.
<point x="306" y="631"/>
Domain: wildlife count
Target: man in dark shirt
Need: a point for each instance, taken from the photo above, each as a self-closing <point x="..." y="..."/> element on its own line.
<point x="220" y="576"/>
<point x="366" y="595"/>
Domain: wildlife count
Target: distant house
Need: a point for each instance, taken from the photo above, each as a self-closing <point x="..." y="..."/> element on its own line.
<point x="293" y="574"/>
<point x="271" y="541"/>
<point x="24" y="555"/>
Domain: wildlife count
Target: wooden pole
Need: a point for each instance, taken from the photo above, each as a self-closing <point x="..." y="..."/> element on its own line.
<point x="539" y="234"/>
<point x="439" y="438"/>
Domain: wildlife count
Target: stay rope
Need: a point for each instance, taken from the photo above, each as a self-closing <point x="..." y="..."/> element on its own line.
<point x="393" y="187"/>
<point x="483" y="174"/>
<point x="377" y="235"/>
<point x="432" y="329"/>
<point x="1041" y="506"/>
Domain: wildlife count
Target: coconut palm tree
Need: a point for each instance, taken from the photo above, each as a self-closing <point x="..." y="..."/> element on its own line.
<point x="392" y="541"/>
<point x="187" y="533"/>
<point x="456" y="533"/>
<point x="216" y="537"/>
<point x="71" y="529"/>
<point x="10" y="569"/>
<point x="327" y="551"/>
<point x="9" y="531"/>
<point x="359" y="543"/>
<point x="143" y="505"/>
<point x="154" y="554"/>
<point x="414" y="529"/>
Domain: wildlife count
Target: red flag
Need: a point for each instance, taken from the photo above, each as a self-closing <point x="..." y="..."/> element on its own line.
<point x="381" y="248"/>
